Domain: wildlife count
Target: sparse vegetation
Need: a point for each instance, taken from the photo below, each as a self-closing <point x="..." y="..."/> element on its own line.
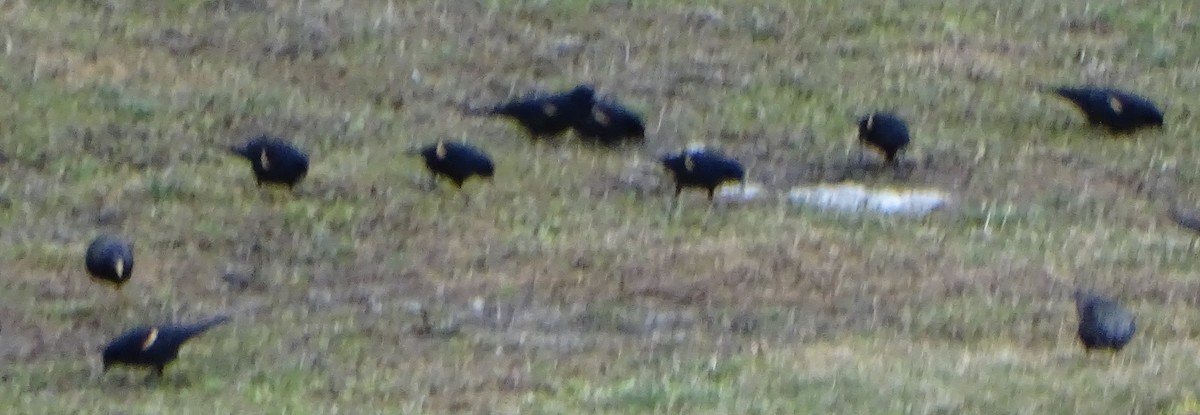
<point x="565" y="287"/>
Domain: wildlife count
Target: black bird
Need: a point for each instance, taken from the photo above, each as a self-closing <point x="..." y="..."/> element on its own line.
<point x="1103" y="324"/>
<point x="1119" y="111"/>
<point x="546" y="116"/>
<point x="154" y="347"/>
<point x="109" y="259"/>
<point x="610" y="123"/>
<point x="885" y="131"/>
<point x="274" y="160"/>
<point x="456" y="161"/>
<point x="1186" y="218"/>
<point x="702" y="169"/>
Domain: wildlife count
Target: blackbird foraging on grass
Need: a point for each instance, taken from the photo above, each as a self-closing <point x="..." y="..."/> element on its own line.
<point x="109" y="259"/>
<point x="884" y="131"/>
<point x="610" y="123"/>
<point x="274" y="160"/>
<point x="456" y="161"/>
<point x="1187" y="219"/>
<point x="546" y="116"/>
<point x="702" y="169"/>
<point x="1119" y="111"/>
<point x="154" y="347"/>
<point x="1103" y="324"/>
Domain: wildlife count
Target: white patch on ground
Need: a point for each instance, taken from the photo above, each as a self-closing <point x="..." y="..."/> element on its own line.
<point x="738" y="193"/>
<point x="855" y="197"/>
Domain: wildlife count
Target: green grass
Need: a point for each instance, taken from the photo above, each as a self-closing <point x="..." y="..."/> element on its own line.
<point x="572" y="290"/>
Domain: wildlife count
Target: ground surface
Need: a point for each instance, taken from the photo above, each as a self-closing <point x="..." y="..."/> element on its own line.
<point x="563" y="287"/>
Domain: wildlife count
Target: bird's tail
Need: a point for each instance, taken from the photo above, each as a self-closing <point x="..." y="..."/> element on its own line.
<point x="203" y="326"/>
<point x="236" y="150"/>
<point x="481" y="111"/>
<point x="1062" y="91"/>
<point x="413" y="151"/>
<point x="1044" y="87"/>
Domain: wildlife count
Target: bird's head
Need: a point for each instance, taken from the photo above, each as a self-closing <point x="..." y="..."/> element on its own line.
<point x="582" y="94"/>
<point x="1155" y="118"/>
<point x="108" y="358"/>
<point x="636" y="130"/>
<point x="865" y="123"/>
<point x="672" y="163"/>
<point x="486" y="170"/>
<point x="735" y="171"/>
<point x="241" y="150"/>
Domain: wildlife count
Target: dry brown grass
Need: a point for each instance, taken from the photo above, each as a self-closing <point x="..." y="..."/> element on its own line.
<point x="565" y="285"/>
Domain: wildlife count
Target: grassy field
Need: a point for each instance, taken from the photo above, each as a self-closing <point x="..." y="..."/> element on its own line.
<point x="563" y="287"/>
